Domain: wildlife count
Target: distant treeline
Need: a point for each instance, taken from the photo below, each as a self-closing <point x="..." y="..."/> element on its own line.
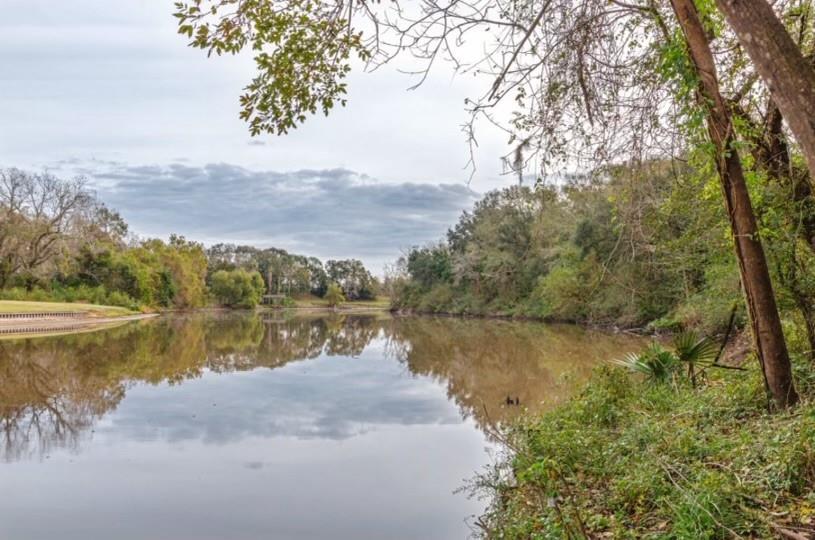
<point x="291" y="274"/>
<point x="58" y="242"/>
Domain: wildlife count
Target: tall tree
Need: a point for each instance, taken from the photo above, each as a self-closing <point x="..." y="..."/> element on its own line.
<point x="755" y="274"/>
<point x="780" y="63"/>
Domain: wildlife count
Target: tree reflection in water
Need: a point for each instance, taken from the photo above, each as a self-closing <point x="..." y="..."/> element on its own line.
<point x="54" y="389"/>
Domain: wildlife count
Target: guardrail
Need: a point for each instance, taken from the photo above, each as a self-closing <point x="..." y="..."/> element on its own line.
<point x="44" y="315"/>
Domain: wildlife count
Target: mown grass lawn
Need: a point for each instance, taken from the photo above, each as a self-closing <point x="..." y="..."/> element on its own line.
<point x="382" y="302"/>
<point x="93" y="310"/>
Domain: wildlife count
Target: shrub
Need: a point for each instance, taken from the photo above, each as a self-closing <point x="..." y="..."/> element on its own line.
<point x="660" y="365"/>
<point x="334" y="296"/>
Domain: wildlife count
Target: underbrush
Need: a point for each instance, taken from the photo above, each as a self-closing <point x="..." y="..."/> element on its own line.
<point x="631" y="459"/>
<point x="709" y="313"/>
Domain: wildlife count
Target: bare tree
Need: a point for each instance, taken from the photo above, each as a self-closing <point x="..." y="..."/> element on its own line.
<point x="38" y="212"/>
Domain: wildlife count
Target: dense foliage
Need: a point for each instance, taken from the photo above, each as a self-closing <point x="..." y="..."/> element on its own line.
<point x="283" y="272"/>
<point x="628" y="247"/>
<point x="354" y="279"/>
<point x="624" y="247"/>
<point x="292" y="274"/>
<point x="237" y="288"/>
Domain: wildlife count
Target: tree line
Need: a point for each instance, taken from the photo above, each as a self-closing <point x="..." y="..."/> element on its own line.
<point x="59" y="242"/>
<point x="627" y="247"/>
<point x="290" y="274"/>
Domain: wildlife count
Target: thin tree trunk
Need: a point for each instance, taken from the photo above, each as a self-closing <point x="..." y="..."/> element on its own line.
<point x="780" y="63"/>
<point x="755" y="275"/>
<point x="776" y="154"/>
<point x="775" y="157"/>
<point x="809" y="321"/>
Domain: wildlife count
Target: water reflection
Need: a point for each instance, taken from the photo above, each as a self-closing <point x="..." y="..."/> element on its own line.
<point x="213" y="426"/>
<point x="55" y="390"/>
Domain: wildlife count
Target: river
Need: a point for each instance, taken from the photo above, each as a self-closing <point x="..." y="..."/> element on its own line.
<point x="238" y="426"/>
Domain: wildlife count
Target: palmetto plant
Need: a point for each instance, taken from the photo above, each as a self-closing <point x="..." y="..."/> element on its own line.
<point x="659" y="364"/>
<point x="693" y="350"/>
<point x="655" y="362"/>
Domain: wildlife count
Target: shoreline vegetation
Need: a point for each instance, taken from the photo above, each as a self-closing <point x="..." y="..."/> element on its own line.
<point x="630" y="459"/>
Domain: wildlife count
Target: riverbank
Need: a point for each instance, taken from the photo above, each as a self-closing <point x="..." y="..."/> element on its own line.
<point x="630" y="459"/>
<point x="640" y="330"/>
<point x="90" y="310"/>
<point x="26" y="319"/>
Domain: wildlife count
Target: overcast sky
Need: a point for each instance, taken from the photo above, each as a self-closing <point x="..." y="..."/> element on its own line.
<point x="109" y="90"/>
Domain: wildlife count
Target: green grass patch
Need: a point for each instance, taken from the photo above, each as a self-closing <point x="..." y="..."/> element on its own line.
<point x="93" y="310"/>
<point x="381" y="302"/>
<point x="628" y="459"/>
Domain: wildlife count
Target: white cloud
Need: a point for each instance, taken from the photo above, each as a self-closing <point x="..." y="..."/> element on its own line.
<point x="327" y="213"/>
<point x="113" y="80"/>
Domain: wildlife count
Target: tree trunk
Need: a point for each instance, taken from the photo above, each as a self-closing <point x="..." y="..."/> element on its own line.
<point x="774" y="156"/>
<point x="755" y="275"/>
<point x="809" y="321"/>
<point x="780" y="63"/>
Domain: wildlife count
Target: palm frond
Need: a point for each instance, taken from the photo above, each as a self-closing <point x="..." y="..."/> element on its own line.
<point x="693" y="349"/>
<point x="656" y="363"/>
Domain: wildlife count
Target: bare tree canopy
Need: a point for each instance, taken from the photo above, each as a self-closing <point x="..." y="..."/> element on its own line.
<point x="37" y="211"/>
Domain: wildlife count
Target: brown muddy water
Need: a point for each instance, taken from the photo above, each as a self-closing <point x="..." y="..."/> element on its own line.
<point x="259" y="426"/>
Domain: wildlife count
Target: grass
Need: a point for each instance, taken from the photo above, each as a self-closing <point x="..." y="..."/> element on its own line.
<point x="628" y="459"/>
<point x="381" y="302"/>
<point x="93" y="310"/>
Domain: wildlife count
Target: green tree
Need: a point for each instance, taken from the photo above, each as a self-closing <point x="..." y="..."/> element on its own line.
<point x="302" y="50"/>
<point x="334" y="295"/>
<point x="285" y="272"/>
<point x="237" y="288"/>
<point x="430" y="265"/>
<point x="356" y="281"/>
